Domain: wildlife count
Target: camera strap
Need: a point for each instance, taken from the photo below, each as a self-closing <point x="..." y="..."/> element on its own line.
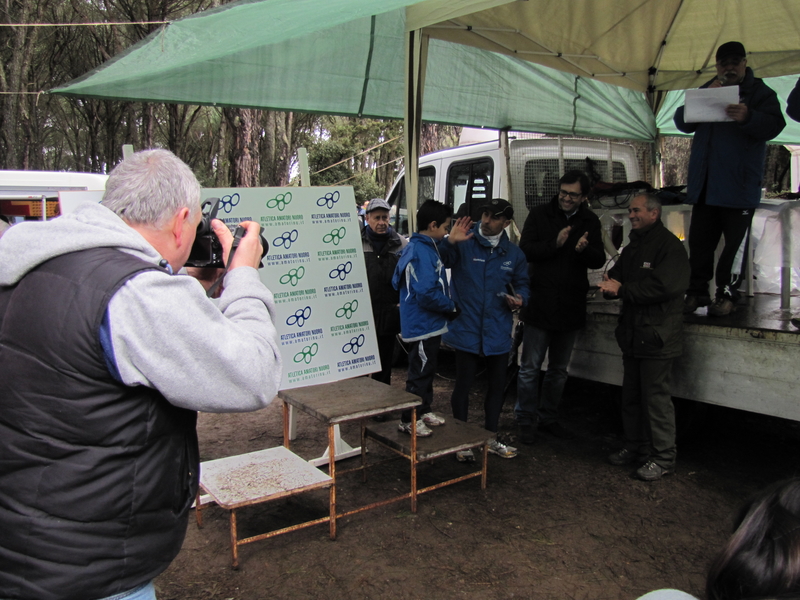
<point x="237" y="237"/>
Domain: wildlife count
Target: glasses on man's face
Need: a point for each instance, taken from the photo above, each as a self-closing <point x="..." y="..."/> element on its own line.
<point x="572" y="195"/>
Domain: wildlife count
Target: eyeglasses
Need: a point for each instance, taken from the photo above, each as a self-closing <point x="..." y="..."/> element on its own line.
<point x="572" y="195"/>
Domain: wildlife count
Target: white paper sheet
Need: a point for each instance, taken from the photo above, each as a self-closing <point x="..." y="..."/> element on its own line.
<point x="708" y="105"/>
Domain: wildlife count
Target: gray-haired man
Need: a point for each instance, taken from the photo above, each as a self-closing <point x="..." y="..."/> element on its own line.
<point x="650" y="277"/>
<point x="104" y="358"/>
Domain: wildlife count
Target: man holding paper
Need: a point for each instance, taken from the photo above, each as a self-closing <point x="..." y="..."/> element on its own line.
<point x="726" y="168"/>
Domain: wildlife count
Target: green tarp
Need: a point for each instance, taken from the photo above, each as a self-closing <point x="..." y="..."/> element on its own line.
<point x="339" y="57"/>
<point x="347" y="57"/>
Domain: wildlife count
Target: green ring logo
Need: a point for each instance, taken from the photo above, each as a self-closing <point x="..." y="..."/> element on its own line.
<point x="280" y="201"/>
<point x="306" y="354"/>
<point x="335" y="236"/>
<point x="293" y="276"/>
<point x="347" y="310"/>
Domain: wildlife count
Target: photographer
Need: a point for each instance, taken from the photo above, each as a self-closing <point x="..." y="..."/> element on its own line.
<point x="104" y="358"/>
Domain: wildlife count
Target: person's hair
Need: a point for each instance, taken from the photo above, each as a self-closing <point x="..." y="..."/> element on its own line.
<point x="149" y="187"/>
<point x="762" y="557"/>
<point x="651" y="202"/>
<point x="430" y="211"/>
<point x="577" y="177"/>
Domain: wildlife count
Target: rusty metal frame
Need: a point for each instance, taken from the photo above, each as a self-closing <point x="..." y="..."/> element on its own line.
<point x="236" y="542"/>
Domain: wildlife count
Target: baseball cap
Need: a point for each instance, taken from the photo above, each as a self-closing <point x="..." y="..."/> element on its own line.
<point x="376" y="203"/>
<point x="731" y="49"/>
<point x="497" y="207"/>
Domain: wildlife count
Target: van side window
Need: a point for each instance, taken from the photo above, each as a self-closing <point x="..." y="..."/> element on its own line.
<point x="398" y="218"/>
<point x="469" y="185"/>
<point x="542" y="175"/>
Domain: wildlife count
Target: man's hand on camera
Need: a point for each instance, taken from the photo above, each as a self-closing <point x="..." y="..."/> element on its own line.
<point x="248" y="254"/>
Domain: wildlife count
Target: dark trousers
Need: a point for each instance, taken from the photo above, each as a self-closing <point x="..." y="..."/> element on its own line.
<point x="466" y="368"/>
<point x="709" y="224"/>
<point x="648" y="416"/>
<point x="386" y="353"/>
<point x="422" y="360"/>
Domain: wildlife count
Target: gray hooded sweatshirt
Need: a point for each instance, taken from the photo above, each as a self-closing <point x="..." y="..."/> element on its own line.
<point x="204" y="355"/>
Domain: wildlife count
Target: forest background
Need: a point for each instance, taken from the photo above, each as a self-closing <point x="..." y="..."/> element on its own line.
<point x="225" y="147"/>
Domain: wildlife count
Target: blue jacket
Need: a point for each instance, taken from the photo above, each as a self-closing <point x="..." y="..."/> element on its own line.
<point x="479" y="276"/>
<point x="421" y="278"/>
<point x="730" y="156"/>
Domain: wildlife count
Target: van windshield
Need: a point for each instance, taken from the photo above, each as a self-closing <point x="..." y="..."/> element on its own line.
<point x="398" y="217"/>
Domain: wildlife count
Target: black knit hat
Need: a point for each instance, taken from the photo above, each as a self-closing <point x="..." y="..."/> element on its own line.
<point x="731" y="49"/>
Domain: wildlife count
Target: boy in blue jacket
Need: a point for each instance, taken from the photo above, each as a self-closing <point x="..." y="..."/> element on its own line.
<point x="425" y="305"/>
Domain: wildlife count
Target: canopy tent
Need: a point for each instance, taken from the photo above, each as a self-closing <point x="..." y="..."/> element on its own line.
<point x="655" y="45"/>
<point x="485" y="63"/>
<point x="338" y="57"/>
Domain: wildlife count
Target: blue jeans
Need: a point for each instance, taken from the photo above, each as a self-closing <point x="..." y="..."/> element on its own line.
<point x="145" y="592"/>
<point x="534" y="406"/>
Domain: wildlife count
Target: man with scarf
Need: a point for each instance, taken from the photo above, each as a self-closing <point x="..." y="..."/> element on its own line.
<point x="382" y="247"/>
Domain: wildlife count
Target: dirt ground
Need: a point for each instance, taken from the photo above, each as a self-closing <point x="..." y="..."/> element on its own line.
<point x="557" y="522"/>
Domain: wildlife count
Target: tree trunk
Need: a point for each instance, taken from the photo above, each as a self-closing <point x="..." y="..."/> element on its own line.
<point x="244" y="151"/>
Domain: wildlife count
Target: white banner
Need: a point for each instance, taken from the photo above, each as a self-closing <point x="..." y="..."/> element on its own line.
<point x="315" y="269"/>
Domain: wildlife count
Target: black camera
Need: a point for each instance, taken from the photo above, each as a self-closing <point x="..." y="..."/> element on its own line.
<point x="206" y="250"/>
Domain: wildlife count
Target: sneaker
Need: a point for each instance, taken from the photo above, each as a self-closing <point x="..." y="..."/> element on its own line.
<point x="651" y="471"/>
<point x="503" y="451"/>
<point x="432" y="420"/>
<point x="557" y="430"/>
<point x="623" y="457"/>
<point x="692" y="303"/>
<point x="465" y="456"/>
<point x="721" y="307"/>
<point x="422" y="429"/>
<point x="527" y="434"/>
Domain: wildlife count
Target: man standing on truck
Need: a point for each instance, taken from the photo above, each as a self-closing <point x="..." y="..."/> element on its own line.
<point x="99" y="391"/>
<point x="489" y="276"/>
<point x="726" y="168"/>
<point x="561" y="240"/>
<point x="650" y="277"/>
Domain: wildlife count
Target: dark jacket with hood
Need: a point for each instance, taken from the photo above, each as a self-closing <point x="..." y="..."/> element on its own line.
<point x="558" y="275"/>
<point x="728" y="157"/>
<point x="654" y="271"/>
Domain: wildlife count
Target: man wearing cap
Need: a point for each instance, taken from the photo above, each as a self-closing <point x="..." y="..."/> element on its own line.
<point x="560" y="240"/>
<point x="489" y="279"/>
<point x="726" y="168"/>
<point x="382" y="247"/>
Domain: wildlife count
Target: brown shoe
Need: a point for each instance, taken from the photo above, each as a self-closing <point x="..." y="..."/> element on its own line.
<point x="721" y="307"/>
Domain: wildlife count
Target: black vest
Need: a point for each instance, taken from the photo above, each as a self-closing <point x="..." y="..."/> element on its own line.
<point x="96" y="478"/>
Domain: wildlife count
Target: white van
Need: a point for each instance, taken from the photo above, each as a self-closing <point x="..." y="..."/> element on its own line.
<point x="26" y="194"/>
<point x="526" y="176"/>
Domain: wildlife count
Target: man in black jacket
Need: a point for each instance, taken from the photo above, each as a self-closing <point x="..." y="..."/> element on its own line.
<point x="651" y="278"/>
<point x="382" y="248"/>
<point x="560" y="241"/>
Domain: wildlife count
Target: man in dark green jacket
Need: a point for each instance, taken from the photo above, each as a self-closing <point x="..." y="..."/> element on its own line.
<point x="651" y="278"/>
